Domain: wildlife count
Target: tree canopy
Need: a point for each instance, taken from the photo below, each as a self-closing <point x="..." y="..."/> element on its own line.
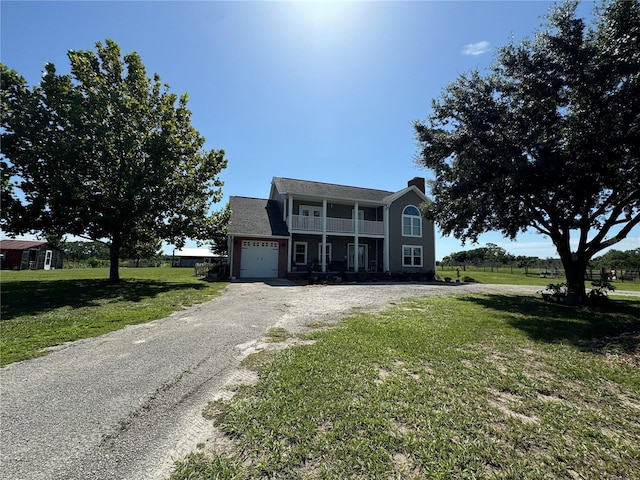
<point x="81" y="251"/>
<point x="546" y="140"/>
<point x="629" y="259"/>
<point x="492" y="253"/>
<point x="105" y="153"/>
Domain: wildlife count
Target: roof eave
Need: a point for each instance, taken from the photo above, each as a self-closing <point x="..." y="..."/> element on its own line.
<point x="404" y="191"/>
<point x="307" y="196"/>
<point x="254" y="235"/>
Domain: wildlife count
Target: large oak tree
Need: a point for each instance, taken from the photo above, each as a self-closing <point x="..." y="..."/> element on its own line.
<point x="105" y="153"/>
<point x="547" y="140"/>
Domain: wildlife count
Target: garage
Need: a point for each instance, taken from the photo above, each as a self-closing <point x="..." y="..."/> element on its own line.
<point x="259" y="259"/>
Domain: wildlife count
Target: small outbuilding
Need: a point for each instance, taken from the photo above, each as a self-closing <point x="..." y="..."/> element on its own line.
<point x="188" y="257"/>
<point x="29" y="255"/>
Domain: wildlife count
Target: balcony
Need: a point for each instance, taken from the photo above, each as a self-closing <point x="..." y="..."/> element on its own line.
<point x="336" y="225"/>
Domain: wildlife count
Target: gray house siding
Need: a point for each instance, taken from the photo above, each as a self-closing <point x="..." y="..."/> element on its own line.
<point x="280" y="199"/>
<point x="380" y="239"/>
<point x="397" y="240"/>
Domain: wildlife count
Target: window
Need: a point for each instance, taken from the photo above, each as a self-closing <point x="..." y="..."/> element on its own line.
<point x="411" y="256"/>
<point x="300" y="253"/>
<point x="411" y="222"/>
<point x="311" y="217"/>
<point x="328" y="252"/>
<point x="308" y="211"/>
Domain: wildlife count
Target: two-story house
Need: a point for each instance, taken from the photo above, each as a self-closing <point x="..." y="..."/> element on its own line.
<point x="311" y="226"/>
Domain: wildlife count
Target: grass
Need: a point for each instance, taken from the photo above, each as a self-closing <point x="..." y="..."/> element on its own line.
<point x="516" y="276"/>
<point x="42" y="309"/>
<point x="454" y="387"/>
<point x="277" y="334"/>
<point x="449" y="387"/>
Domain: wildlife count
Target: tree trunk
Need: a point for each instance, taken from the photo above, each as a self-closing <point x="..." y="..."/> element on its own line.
<point x="575" y="269"/>
<point x="114" y="260"/>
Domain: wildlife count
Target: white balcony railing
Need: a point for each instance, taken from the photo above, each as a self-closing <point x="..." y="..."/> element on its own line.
<point x="307" y="223"/>
<point x="336" y="225"/>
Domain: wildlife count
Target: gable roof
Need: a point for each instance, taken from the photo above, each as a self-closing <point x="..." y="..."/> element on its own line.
<point x="400" y="193"/>
<point x="256" y="217"/>
<point x="329" y="190"/>
<point x="20" y="244"/>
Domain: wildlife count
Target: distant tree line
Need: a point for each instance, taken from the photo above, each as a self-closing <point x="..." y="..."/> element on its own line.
<point x="628" y="260"/>
<point x="96" y="254"/>
<point x="493" y="255"/>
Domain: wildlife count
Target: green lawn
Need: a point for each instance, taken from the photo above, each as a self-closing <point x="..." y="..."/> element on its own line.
<point x="517" y="276"/>
<point x="450" y="387"/>
<point x="42" y="309"/>
<point x="501" y="387"/>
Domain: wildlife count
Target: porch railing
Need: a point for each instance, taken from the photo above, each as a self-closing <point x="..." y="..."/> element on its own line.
<point x="336" y="225"/>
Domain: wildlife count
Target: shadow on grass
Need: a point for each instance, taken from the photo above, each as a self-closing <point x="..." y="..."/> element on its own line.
<point x="591" y="329"/>
<point x="35" y="297"/>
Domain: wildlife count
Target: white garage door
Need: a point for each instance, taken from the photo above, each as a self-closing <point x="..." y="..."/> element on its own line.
<point x="259" y="259"/>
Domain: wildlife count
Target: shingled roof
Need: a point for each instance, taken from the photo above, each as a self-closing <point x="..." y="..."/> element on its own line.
<point x="329" y="190"/>
<point x="256" y="217"/>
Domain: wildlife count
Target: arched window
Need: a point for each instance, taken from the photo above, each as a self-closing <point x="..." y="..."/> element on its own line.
<point x="411" y="222"/>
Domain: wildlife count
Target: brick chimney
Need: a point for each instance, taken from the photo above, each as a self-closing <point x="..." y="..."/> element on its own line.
<point x="418" y="182"/>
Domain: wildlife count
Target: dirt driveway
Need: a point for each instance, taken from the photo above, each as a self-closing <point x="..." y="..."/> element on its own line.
<point x="129" y="403"/>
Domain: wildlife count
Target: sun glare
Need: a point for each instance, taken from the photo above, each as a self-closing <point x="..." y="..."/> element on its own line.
<point x="327" y="21"/>
<point x="321" y="12"/>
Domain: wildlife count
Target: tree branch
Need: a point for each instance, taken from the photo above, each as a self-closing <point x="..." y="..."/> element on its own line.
<point x="593" y="248"/>
<point x="613" y="219"/>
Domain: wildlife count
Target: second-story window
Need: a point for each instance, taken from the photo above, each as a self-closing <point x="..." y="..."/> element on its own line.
<point x="307" y="211"/>
<point x="411" y="222"/>
<point x="311" y="217"/>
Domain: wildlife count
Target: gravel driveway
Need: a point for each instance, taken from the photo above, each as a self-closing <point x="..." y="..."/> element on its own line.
<point x="127" y="404"/>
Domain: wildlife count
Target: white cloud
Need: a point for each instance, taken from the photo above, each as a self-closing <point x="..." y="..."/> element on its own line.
<point x="476" y="48"/>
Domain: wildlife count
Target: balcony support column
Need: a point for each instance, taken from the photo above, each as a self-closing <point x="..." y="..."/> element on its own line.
<point x="289" y="224"/>
<point x="385" y="258"/>
<point x="323" y="247"/>
<point x="356" y="267"/>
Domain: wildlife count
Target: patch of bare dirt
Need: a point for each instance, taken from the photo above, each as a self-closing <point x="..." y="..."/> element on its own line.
<point x="504" y="401"/>
<point x="621" y="349"/>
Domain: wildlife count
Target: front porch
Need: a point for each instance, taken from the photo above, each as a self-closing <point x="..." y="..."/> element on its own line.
<point x="339" y="254"/>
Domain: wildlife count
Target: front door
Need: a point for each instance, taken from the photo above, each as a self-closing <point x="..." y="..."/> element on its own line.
<point x="363" y="256"/>
<point x="47" y="259"/>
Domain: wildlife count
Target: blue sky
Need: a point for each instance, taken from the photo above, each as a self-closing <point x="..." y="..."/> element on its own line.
<point x="323" y="91"/>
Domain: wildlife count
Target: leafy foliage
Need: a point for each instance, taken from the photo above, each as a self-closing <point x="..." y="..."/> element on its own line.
<point x="547" y="140"/>
<point x="80" y="251"/>
<point x="218" y="235"/>
<point x="629" y="259"/>
<point x="490" y="253"/>
<point x="105" y="153"/>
